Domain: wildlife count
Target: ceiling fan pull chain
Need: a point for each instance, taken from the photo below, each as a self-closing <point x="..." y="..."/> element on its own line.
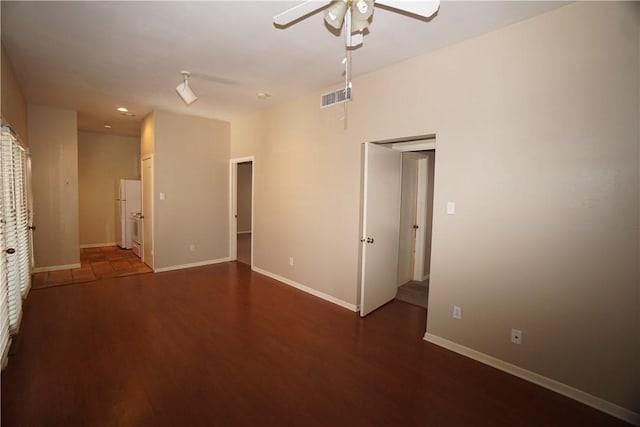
<point x="347" y="62"/>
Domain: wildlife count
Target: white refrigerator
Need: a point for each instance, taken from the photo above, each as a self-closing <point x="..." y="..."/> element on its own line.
<point x="127" y="205"/>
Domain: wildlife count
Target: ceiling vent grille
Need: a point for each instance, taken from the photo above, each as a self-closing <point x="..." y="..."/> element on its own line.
<point x="335" y="97"/>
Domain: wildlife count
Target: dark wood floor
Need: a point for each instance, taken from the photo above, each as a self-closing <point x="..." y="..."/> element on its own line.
<point x="222" y="346"/>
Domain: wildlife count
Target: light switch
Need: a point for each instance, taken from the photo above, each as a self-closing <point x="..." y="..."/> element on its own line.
<point x="161" y="196"/>
<point x="451" y="208"/>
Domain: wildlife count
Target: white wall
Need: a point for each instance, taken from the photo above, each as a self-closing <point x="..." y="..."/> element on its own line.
<point x="53" y="143"/>
<point x="537" y="143"/>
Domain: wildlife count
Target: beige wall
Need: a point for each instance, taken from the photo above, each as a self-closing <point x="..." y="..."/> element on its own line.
<point x="147" y="138"/>
<point x="13" y="107"/>
<point x="306" y="183"/>
<point x="431" y="158"/>
<point x="537" y="143"/>
<point x="103" y="160"/>
<point x="191" y="167"/>
<point x="244" y="196"/>
<point x="53" y="143"/>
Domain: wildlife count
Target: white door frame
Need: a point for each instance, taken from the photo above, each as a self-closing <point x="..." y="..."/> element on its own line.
<point x="421" y="220"/>
<point x="233" y="204"/>
<point x="415" y="146"/>
<point x="404" y="146"/>
<point x="420" y="215"/>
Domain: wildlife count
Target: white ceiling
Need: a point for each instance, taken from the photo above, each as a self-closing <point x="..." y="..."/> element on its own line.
<point x="95" y="56"/>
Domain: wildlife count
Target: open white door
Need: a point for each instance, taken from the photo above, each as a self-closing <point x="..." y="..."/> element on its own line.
<point x="382" y="178"/>
<point x="147" y="211"/>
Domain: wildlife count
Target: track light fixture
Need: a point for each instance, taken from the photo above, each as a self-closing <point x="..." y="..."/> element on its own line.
<point x="184" y="90"/>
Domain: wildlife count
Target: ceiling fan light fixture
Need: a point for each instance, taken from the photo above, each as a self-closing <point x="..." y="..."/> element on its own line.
<point x="185" y="91"/>
<point x="365" y="7"/>
<point x="362" y="12"/>
<point x="359" y="25"/>
<point x="334" y="15"/>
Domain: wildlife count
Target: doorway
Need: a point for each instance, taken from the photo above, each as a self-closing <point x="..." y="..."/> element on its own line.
<point x="416" y="214"/>
<point x="382" y="177"/>
<point x="241" y="212"/>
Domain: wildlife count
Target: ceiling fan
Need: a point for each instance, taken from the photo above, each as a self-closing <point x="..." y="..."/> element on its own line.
<point x="354" y="15"/>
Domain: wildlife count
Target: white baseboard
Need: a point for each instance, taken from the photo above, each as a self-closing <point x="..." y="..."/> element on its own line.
<point x="55" y="268"/>
<point x="244" y="232"/>
<point x="563" y="389"/>
<point x="307" y="289"/>
<point x="97" y="245"/>
<point x="194" y="264"/>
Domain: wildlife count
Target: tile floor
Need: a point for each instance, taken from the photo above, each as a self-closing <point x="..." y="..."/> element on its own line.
<point x="96" y="263"/>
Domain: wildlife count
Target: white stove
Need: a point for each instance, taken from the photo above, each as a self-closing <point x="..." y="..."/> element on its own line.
<point x="136" y="235"/>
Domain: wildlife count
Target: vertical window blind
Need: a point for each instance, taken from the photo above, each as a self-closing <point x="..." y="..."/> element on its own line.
<point x="4" y="295"/>
<point x="15" y="239"/>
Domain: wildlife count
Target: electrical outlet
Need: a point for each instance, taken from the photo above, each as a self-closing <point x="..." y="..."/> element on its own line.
<point x="192" y="248"/>
<point x="457" y="312"/>
<point x="290" y="260"/>
<point x="516" y="336"/>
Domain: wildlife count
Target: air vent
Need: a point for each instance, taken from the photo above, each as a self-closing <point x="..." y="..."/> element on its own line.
<point x="336" y="97"/>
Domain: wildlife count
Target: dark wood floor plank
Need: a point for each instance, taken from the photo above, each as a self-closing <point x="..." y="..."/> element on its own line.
<point x="223" y="346"/>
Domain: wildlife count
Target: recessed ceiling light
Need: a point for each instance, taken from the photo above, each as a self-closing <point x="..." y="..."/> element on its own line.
<point x="122" y="109"/>
<point x="263" y="95"/>
<point x="107" y="126"/>
<point x="128" y="114"/>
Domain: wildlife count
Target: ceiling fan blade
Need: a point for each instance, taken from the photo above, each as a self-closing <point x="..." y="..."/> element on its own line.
<point x="416" y="7"/>
<point x="297" y="12"/>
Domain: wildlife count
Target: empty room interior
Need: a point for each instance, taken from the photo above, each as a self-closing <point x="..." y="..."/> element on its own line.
<point x="320" y="213"/>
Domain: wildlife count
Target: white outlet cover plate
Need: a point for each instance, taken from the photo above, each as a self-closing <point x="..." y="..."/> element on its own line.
<point x="457" y="312"/>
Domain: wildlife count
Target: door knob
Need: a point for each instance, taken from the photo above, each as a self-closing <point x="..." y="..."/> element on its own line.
<point x="369" y="239"/>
